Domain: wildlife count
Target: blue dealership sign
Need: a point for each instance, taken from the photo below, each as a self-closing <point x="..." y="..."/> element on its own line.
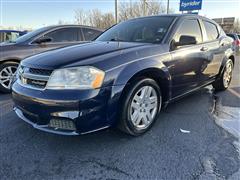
<point x="190" y="5"/>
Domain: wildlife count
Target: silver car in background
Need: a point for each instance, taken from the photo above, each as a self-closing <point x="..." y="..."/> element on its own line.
<point x="236" y="42"/>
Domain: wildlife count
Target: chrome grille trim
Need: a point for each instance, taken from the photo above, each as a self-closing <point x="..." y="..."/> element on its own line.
<point x="32" y="80"/>
<point x="35" y="77"/>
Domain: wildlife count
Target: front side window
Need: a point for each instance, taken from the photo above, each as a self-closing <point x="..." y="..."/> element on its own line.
<point x="142" y="30"/>
<point x="31" y="35"/>
<point x="189" y="27"/>
<point x="64" y="35"/>
<point x="211" y="30"/>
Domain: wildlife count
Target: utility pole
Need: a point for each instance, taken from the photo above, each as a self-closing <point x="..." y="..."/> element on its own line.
<point x="144" y="7"/>
<point x="116" y="11"/>
<point x="167" y="6"/>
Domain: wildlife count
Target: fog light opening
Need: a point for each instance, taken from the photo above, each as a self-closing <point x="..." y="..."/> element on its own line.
<point x="62" y="124"/>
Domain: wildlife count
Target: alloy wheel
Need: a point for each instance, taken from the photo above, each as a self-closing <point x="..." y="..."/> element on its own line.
<point x="7" y="75"/>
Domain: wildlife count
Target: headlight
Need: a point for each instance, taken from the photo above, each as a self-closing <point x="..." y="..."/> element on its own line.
<point x="84" y="77"/>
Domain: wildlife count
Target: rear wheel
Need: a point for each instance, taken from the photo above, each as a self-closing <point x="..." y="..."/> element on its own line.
<point x="7" y="75"/>
<point x="225" y="79"/>
<point x="140" y="107"/>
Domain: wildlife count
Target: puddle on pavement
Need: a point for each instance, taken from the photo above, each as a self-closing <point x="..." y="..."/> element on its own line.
<point x="228" y="118"/>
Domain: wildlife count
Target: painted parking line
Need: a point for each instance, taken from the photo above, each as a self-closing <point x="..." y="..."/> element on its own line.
<point x="234" y="92"/>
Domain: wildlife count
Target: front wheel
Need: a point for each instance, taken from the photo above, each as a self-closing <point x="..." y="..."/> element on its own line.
<point x="7" y="75"/>
<point x="223" y="82"/>
<point x="140" y="107"/>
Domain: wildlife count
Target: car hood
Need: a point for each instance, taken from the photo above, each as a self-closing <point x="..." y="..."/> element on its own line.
<point x="87" y="54"/>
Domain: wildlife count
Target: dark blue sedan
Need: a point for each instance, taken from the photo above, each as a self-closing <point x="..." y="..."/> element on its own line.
<point x="125" y="77"/>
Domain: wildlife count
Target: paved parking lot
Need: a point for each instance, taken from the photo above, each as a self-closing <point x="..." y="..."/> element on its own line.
<point x="165" y="152"/>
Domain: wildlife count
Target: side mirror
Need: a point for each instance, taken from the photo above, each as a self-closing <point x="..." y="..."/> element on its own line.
<point x="186" y="40"/>
<point x="43" y="39"/>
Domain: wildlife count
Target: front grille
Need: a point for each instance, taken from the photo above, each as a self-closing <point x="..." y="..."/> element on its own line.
<point x="62" y="124"/>
<point x="43" y="72"/>
<point x="32" y="77"/>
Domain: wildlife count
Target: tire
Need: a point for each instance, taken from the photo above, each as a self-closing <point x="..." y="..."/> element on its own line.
<point x="7" y="73"/>
<point x="134" y="108"/>
<point x="223" y="82"/>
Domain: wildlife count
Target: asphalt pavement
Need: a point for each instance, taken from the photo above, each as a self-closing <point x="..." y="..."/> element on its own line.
<point x="185" y="143"/>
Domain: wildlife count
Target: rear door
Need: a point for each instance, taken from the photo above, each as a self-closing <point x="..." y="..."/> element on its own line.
<point x="188" y="61"/>
<point x="215" y="47"/>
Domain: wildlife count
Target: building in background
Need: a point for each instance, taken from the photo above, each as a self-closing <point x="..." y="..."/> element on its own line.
<point x="226" y="23"/>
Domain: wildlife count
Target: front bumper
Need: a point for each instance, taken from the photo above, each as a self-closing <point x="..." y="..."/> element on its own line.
<point x="45" y="128"/>
<point x="83" y="111"/>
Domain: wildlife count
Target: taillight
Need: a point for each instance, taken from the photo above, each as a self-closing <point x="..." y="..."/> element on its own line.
<point x="237" y="42"/>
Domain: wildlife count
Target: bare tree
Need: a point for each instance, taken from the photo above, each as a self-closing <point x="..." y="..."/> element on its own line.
<point x="108" y="20"/>
<point x="94" y="18"/>
<point x="128" y="10"/>
<point x="81" y="17"/>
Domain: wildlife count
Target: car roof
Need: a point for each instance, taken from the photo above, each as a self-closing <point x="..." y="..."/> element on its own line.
<point x="7" y="30"/>
<point x="72" y="25"/>
<point x="177" y="16"/>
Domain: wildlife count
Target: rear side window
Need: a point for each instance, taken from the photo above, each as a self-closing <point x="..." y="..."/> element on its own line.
<point x="90" y="34"/>
<point x="211" y="30"/>
<point x="231" y="35"/>
<point x="65" y="35"/>
<point x="189" y="27"/>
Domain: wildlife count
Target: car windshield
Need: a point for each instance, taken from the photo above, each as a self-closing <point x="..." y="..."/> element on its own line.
<point x="30" y="35"/>
<point x="143" y="30"/>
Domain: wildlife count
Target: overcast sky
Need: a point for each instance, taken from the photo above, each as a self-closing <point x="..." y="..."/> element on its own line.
<point x="38" y="13"/>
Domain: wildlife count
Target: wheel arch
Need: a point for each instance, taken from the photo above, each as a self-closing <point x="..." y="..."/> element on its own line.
<point x="10" y="60"/>
<point x="159" y="75"/>
<point x="228" y="55"/>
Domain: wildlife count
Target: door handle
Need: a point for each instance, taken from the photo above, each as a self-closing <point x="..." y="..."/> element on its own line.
<point x="204" y="49"/>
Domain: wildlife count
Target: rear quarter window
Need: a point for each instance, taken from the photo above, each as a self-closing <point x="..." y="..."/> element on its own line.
<point x="90" y="34"/>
